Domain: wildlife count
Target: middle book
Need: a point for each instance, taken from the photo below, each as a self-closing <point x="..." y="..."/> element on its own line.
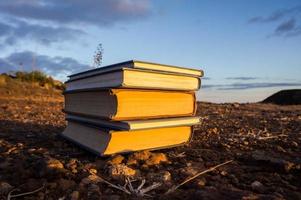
<point x="130" y="104"/>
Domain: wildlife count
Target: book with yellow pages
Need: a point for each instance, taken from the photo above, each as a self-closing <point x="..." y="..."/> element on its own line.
<point x="135" y="78"/>
<point x="129" y="104"/>
<point x="136" y="64"/>
<point x="136" y="124"/>
<point x="106" y="142"/>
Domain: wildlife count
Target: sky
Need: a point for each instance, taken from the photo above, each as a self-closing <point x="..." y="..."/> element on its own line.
<point x="247" y="49"/>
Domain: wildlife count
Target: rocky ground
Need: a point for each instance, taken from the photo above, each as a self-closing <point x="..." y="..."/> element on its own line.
<point x="264" y="142"/>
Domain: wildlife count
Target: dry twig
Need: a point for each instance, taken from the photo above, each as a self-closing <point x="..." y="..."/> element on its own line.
<point x="272" y="137"/>
<point x="129" y="189"/>
<point x="10" y="196"/>
<point x="198" y="174"/>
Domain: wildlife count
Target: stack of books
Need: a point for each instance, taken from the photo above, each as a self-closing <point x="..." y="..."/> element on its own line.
<point x="131" y="106"/>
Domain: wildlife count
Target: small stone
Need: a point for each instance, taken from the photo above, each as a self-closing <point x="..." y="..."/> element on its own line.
<point x="92" y="171"/>
<point x="5" y="187"/>
<point x="32" y="150"/>
<point x="121" y="170"/>
<point x="132" y="161"/>
<point x="189" y="164"/>
<point x="166" y="176"/>
<point x="74" y="195"/>
<point x="160" y="177"/>
<point x="189" y="171"/>
<point x="156" y="159"/>
<point x="72" y="164"/>
<point x="224" y="173"/>
<point x="201" y="182"/>
<point x="288" y="166"/>
<point x="91" y="179"/>
<point x="116" y="160"/>
<point x="141" y="155"/>
<point x="88" y="166"/>
<point x="257" y="186"/>
<point x="54" y="164"/>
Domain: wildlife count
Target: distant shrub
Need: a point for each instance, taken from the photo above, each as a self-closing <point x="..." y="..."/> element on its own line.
<point x="39" y="77"/>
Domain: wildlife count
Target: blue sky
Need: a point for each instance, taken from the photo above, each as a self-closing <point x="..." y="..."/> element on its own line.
<point x="248" y="49"/>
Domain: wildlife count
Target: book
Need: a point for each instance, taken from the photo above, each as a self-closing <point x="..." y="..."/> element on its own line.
<point x="136" y="64"/>
<point x="135" y="78"/>
<point x="129" y="104"/>
<point x="106" y="142"/>
<point x="136" y="124"/>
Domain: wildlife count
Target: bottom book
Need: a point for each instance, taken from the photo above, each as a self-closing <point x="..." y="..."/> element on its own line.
<point x="106" y="142"/>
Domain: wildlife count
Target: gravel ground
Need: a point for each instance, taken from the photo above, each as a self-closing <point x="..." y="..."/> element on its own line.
<point x="264" y="142"/>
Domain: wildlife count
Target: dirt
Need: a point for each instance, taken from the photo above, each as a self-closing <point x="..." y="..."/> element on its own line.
<point x="263" y="140"/>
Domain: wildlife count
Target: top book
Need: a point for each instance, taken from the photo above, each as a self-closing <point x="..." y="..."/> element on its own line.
<point x="135" y="64"/>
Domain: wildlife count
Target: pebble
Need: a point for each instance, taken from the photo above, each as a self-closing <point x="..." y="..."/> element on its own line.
<point x="160" y="177"/>
<point x="91" y="179"/>
<point x="224" y="173"/>
<point x="141" y="155"/>
<point x="201" y="182"/>
<point x="116" y="160"/>
<point x="288" y="166"/>
<point x="5" y="187"/>
<point x="74" y="195"/>
<point x="257" y="186"/>
<point x="92" y="171"/>
<point x="156" y="159"/>
<point x="54" y="164"/>
<point x="121" y="170"/>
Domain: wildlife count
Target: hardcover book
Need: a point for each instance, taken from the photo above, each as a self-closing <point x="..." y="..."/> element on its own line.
<point x="136" y="64"/>
<point x="106" y="142"/>
<point x="135" y="78"/>
<point x="127" y="104"/>
<point x="136" y="124"/>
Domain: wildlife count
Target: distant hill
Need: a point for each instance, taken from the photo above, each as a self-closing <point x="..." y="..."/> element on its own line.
<point x="285" y="97"/>
<point x="29" y="84"/>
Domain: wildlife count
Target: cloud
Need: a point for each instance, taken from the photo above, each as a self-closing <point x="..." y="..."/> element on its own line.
<point x="95" y="12"/>
<point x="53" y="21"/>
<point x="277" y="15"/>
<point x="46" y="35"/>
<point x="58" y="67"/>
<point x="286" y="26"/>
<point x="288" y="21"/>
<point x="245" y="86"/>
<point x="245" y="78"/>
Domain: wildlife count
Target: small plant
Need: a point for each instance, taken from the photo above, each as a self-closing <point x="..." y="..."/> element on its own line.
<point x="98" y="56"/>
